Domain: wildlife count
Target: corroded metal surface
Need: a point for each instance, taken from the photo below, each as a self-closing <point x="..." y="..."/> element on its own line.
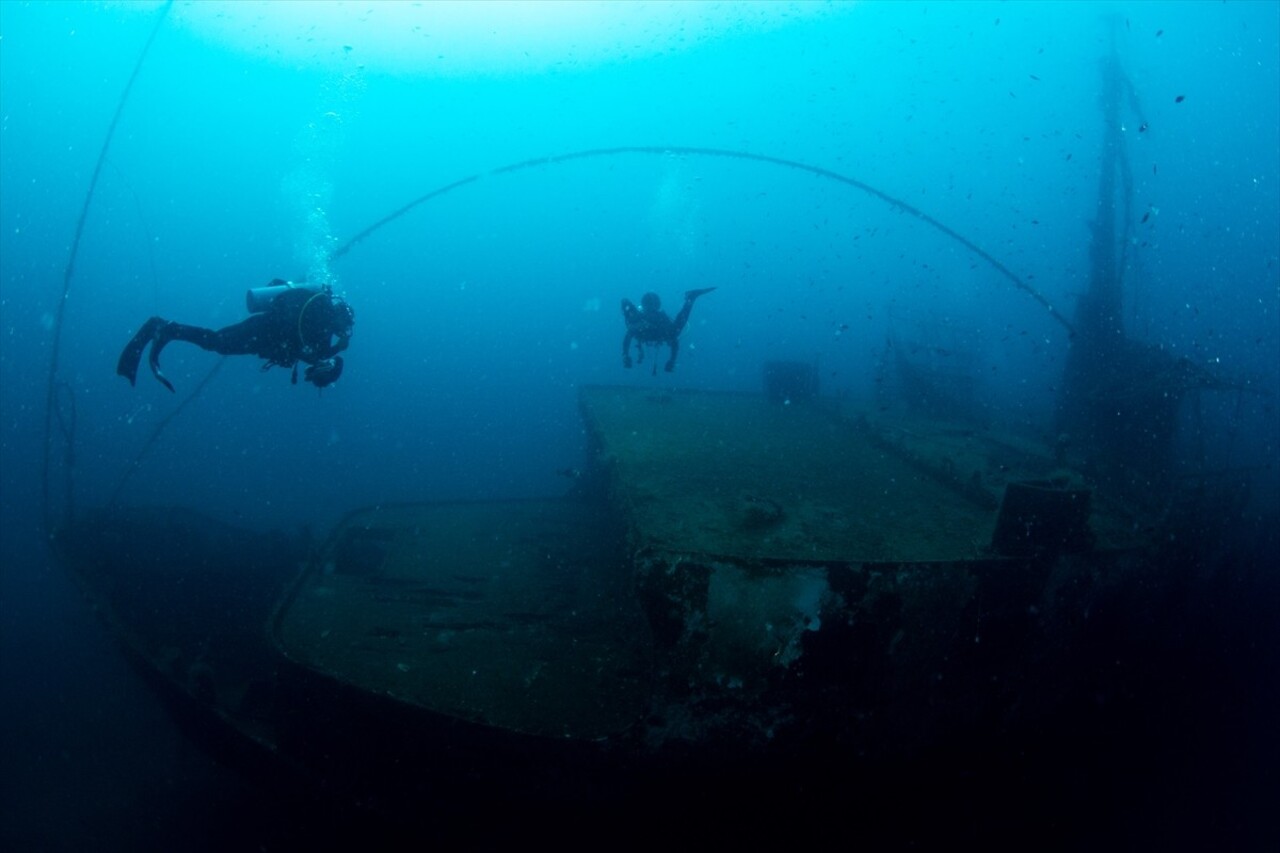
<point x="738" y="476"/>
<point x="514" y="614"/>
<point x="732" y="570"/>
<point x="812" y="572"/>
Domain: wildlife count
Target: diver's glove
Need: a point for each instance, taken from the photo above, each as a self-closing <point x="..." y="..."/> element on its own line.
<point x="324" y="373"/>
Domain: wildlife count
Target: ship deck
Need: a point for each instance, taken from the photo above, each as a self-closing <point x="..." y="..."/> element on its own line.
<point x="539" y="616"/>
<point x="514" y="614"/>
<point x="740" y="477"/>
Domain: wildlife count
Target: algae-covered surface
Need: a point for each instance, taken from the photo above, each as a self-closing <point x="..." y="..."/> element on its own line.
<point x="741" y="476"/>
<point x="526" y="615"/>
<point x="515" y="614"/>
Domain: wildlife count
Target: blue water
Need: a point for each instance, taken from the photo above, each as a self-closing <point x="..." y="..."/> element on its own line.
<point x="254" y="143"/>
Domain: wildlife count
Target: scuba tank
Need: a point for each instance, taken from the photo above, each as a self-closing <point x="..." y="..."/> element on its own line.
<point x="259" y="299"/>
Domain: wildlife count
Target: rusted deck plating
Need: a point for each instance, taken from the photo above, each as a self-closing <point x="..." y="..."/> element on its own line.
<point x="738" y="476"/>
<point x="544" y="617"/>
<point x="515" y="614"/>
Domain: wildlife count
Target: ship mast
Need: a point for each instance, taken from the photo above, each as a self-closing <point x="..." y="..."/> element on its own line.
<point x="1120" y="398"/>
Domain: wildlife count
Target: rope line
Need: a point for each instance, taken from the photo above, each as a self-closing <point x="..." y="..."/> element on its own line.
<point x="52" y="392"/>
<point x="160" y="428"/>
<point x="892" y="201"/>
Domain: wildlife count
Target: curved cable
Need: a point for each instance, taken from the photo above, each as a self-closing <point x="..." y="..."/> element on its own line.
<point x="51" y="395"/>
<point x="893" y="201"/>
<point x="160" y="428"/>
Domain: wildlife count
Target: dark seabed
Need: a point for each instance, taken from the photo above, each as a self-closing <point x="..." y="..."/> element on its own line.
<point x="1052" y="223"/>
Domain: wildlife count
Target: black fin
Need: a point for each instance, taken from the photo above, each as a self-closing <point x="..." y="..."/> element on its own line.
<point x="154" y="360"/>
<point x="127" y="366"/>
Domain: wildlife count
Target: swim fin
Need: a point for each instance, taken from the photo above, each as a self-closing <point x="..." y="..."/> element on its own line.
<point x="127" y="366"/>
<point x="153" y="358"/>
<point x="694" y="294"/>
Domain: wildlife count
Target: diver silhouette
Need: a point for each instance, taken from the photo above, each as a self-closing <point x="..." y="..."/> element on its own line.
<point x="288" y="323"/>
<point x="649" y="325"/>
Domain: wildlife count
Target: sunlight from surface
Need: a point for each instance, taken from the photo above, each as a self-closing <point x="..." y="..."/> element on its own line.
<point x="463" y="37"/>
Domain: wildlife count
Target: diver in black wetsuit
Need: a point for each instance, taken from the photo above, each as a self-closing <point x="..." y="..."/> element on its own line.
<point x="289" y="323"/>
<point x="650" y="325"/>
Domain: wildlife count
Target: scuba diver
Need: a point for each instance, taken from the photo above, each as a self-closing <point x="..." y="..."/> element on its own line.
<point x="288" y="323"/>
<point x="649" y="324"/>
